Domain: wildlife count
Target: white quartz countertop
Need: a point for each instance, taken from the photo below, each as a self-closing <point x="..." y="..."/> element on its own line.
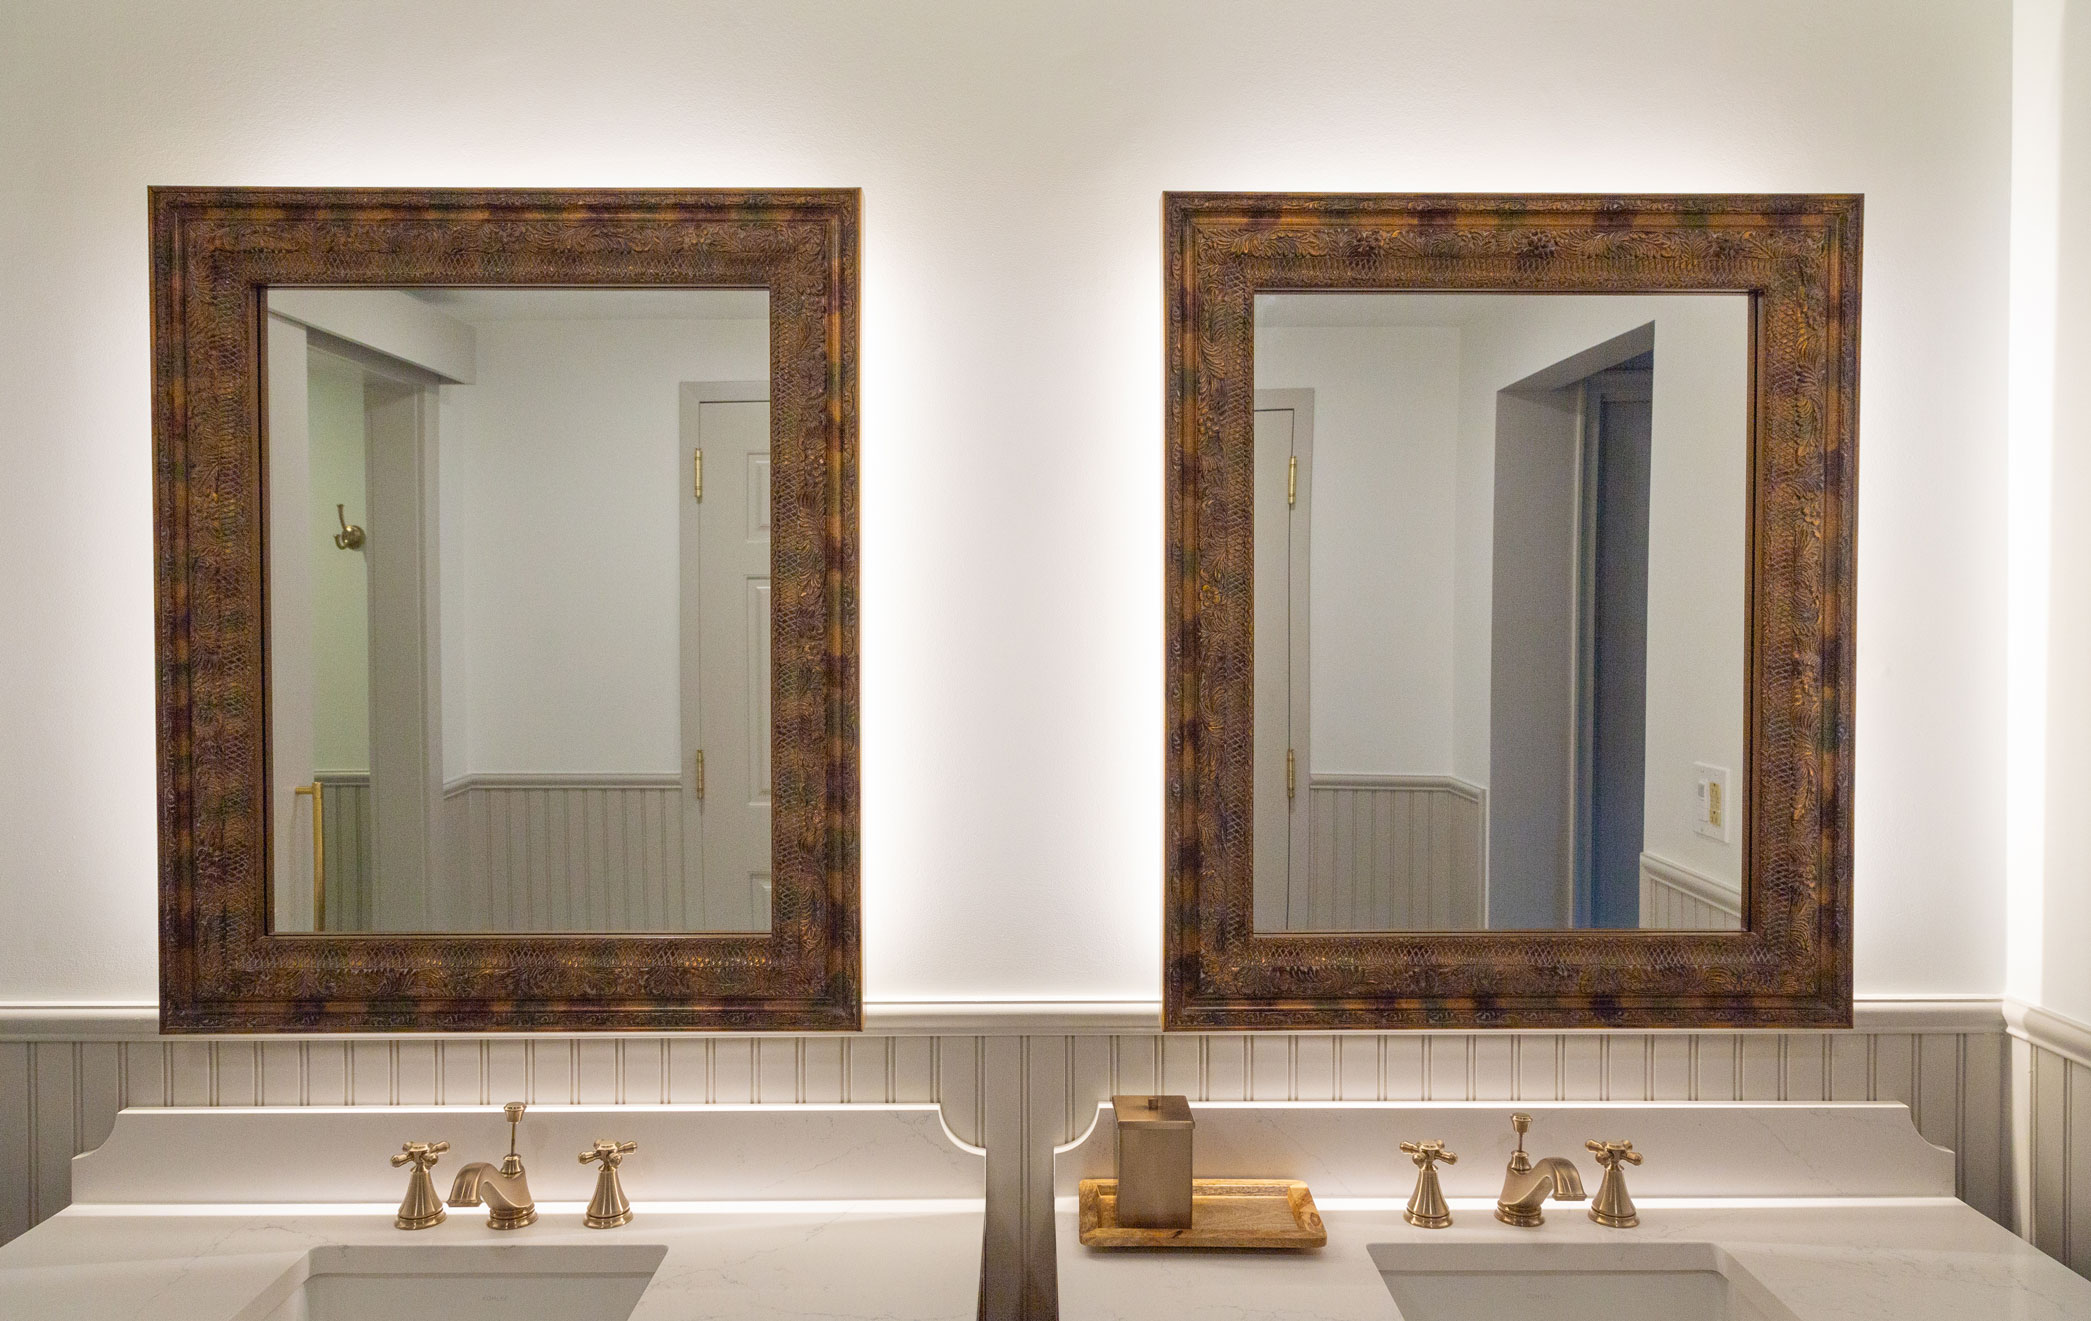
<point x="1814" y="1211"/>
<point x="888" y="1260"/>
<point x="1910" y="1259"/>
<point x="222" y="1214"/>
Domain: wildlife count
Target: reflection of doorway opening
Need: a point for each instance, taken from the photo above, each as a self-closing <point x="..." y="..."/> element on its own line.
<point x="1558" y="794"/>
<point x="1611" y="623"/>
<point x="355" y="700"/>
<point x="1283" y="518"/>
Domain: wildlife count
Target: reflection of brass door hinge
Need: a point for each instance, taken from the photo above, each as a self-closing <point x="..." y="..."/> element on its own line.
<point x="697" y="474"/>
<point x="1292" y="481"/>
<point x="700" y="773"/>
<point x="1288" y="774"/>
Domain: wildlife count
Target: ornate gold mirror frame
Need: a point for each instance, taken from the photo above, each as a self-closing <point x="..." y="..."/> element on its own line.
<point x="222" y="968"/>
<point x="1798" y="259"/>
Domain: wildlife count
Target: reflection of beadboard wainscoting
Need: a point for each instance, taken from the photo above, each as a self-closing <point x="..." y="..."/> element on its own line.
<point x="569" y="853"/>
<point x="1677" y="898"/>
<point x="1392" y="853"/>
<point x="349" y="846"/>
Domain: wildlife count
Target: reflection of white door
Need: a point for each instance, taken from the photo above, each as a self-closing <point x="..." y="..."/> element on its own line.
<point x="1284" y="452"/>
<point x="726" y="655"/>
<point x="354" y="700"/>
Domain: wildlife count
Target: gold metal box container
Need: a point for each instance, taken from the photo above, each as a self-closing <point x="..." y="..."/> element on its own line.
<point x="1154" y="1161"/>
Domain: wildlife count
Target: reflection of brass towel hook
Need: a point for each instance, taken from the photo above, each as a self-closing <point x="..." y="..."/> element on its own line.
<point x="350" y="537"/>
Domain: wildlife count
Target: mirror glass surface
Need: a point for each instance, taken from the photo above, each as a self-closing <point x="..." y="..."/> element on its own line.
<point x="519" y="641"/>
<point x="1501" y="587"/>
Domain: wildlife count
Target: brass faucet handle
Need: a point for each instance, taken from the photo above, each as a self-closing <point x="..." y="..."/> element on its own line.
<point x="609" y="1208"/>
<point x="421" y="1208"/>
<point x="1613" y="1207"/>
<point x="1427" y="1208"/>
<point x="420" y="1154"/>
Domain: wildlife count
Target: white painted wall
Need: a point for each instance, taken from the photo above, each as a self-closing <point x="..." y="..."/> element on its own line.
<point x="1012" y="159"/>
<point x="340" y="602"/>
<point x="2065" y="981"/>
<point x="1385" y="409"/>
<point x="563" y="474"/>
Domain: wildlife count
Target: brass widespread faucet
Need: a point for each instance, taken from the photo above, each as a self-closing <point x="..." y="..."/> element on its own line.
<point x="506" y="1190"/>
<point x="1527" y="1183"/>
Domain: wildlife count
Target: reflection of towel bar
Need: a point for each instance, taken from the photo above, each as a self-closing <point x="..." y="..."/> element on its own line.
<point x="319" y="853"/>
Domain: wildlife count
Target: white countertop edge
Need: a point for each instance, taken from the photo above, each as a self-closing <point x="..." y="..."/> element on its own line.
<point x="386" y="1210"/>
<point x="1069" y="1205"/>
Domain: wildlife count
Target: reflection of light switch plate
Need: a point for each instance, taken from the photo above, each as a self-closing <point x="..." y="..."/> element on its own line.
<point x="1712" y="806"/>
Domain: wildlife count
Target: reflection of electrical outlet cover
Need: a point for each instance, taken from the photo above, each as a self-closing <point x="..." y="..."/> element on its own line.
<point x="1712" y="806"/>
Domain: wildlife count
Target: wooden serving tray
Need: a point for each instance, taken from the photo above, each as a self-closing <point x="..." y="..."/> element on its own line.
<point x="1225" y="1213"/>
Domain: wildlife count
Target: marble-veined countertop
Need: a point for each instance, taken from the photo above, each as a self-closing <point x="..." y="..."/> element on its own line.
<point x="1911" y="1259"/>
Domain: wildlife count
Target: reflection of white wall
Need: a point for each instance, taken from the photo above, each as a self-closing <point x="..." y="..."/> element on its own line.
<point x="340" y="580"/>
<point x="561" y="473"/>
<point x="1696" y="534"/>
<point x="1381" y="642"/>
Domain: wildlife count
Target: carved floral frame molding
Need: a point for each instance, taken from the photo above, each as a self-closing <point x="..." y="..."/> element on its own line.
<point x="214" y="252"/>
<point x="1797" y="257"/>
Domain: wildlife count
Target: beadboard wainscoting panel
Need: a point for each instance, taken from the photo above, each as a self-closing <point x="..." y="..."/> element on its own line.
<point x="348" y="845"/>
<point x="1674" y="897"/>
<point x="572" y="853"/>
<point x="1392" y="853"/>
<point x="2051" y="1094"/>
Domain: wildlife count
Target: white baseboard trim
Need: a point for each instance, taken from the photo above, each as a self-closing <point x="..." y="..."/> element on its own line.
<point x="2053" y="1032"/>
<point x="30" y="1020"/>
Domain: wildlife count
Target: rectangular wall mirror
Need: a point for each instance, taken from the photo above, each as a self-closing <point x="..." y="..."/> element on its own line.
<point x="1499" y="610"/>
<point x="1510" y="604"/>
<point x="519" y="609"/>
<point x="507" y="609"/>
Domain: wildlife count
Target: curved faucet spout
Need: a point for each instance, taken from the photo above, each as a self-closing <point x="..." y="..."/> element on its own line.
<point x="507" y="1196"/>
<point x="1525" y="1191"/>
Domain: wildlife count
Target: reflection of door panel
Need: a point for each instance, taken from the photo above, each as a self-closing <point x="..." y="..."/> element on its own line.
<point x="726" y="656"/>
<point x="1612" y="696"/>
<point x="1283" y="837"/>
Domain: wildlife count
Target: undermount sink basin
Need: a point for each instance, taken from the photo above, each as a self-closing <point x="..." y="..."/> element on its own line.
<point x="1572" y="1282"/>
<point x="477" y="1283"/>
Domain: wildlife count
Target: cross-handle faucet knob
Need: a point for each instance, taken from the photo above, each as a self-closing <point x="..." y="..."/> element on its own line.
<point x="421" y="1154"/>
<point x="1612" y="1207"/>
<point x="608" y="1208"/>
<point x="421" y="1208"/>
<point x="1427" y="1208"/>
